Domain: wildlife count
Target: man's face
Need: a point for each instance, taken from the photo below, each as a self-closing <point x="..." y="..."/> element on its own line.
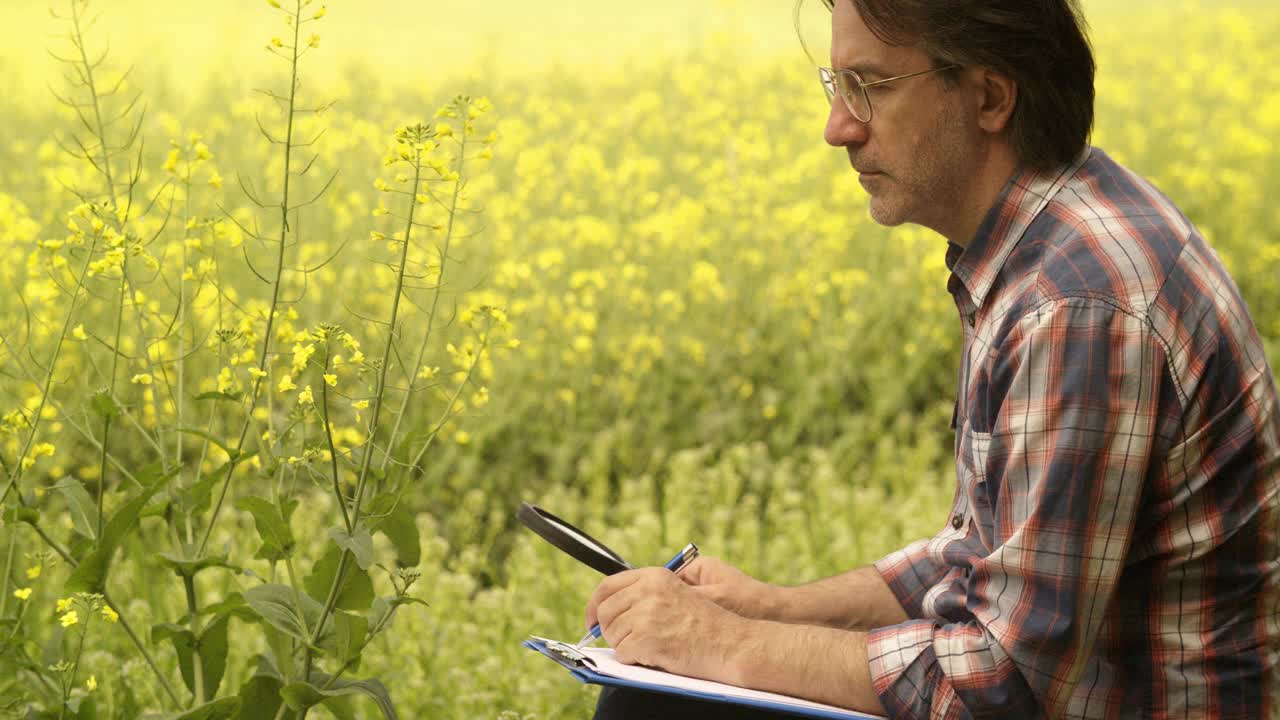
<point x="917" y="154"/>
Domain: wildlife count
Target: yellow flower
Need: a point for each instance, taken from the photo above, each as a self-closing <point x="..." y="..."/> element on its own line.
<point x="330" y="380"/>
<point x="71" y="618"/>
<point x="91" y="683"/>
<point x="274" y="3"/>
<point x="286" y="384"/>
<point x="462" y="437"/>
<point x="257" y="373"/>
<point x="43" y="448"/>
<point x="141" y="379"/>
<point x="320" y="13"/>
<point x="63" y="605"/>
<point x="305" y="397"/>
<point x="109" y="615"/>
<point x="276" y="42"/>
<point x="313" y="41"/>
<point x="215" y="179"/>
<point x="22" y="593"/>
<point x="33" y="572"/>
<point x="444" y="131"/>
<point x="79" y="333"/>
<point x="225" y="381"/>
<point x="360" y="404"/>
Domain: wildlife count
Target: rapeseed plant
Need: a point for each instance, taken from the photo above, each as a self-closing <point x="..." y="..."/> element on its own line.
<point x="703" y="317"/>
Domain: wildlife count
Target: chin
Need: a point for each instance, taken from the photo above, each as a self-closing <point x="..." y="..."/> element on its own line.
<point x="886" y="212"/>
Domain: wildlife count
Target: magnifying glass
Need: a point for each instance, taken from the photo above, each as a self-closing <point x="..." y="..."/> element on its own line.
<point x="812" y="22"/>
<point x="578" y="544"/>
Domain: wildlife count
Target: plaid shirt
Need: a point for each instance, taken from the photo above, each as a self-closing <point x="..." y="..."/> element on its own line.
<point x="1112" y="547"/>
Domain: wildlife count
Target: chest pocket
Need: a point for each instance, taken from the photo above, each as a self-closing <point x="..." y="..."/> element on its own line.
<point x="977" y="496"/>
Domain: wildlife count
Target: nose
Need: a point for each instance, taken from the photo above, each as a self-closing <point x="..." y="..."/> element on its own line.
<point x="843" y="129"/>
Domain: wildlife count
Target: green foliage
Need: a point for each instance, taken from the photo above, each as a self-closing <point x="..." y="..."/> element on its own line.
<point x="671" y="322"/>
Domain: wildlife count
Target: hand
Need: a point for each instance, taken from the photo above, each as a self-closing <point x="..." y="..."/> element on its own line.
<point x="730" y="588"/>
<point x="649" y="617"/>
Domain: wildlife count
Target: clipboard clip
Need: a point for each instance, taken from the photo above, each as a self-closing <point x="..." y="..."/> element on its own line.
<point x="566" y="653"/>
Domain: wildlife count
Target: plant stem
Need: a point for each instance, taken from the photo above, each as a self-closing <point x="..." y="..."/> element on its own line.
<point x="124" y="624"/>
<point x="275" y="290"/>
<point x="435" y="299"/>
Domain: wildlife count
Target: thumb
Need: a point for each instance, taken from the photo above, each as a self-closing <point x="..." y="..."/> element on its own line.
<point x="697" y="572"/>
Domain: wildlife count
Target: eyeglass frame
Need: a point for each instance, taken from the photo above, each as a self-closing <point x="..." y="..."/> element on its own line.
<point x="825" y="72"/>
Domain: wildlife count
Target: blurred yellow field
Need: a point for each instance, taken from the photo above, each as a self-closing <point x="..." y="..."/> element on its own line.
<point x="635" y="286"/>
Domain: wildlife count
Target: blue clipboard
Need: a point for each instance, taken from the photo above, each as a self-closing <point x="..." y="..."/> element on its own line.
<point x="587" y="674"/>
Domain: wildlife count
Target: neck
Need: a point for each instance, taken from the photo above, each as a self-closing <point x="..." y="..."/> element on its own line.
<point x="994" y="169"/>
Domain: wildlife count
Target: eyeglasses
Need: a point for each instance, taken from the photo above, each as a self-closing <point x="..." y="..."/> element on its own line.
<point x="853" y="89"/>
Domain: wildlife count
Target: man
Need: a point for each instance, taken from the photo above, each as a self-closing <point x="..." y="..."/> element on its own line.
<point x="1112" y="547"/>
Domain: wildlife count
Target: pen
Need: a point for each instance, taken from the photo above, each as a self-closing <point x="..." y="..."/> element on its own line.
<point x="675" y="565"/>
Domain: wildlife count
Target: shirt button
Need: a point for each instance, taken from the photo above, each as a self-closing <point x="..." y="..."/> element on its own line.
<point x="957" y="521"/>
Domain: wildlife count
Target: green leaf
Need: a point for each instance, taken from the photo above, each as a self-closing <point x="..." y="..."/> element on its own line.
<point x="201" y="433"/>
<point x="394" y="520"/>
<point x="273" y="528"/>
<point x="91" y="575"/>
<point x="278" y="606"/>
<point x="19" y="514"/>
<point x="84" y="513"/>
<point x="284" y="649"/>
<point x="195" y="498"/>
<point x="359" y="544"/>
<point x="188" y="567"/>
<point x="259" y="698"/>
<point x="103" y="405"/>
<point x="220" y="709"/>
<point x="348" y="638"/>
<point x="384" y="606"/>
<point x="184" y="643"/>
<point x="233" y="605"/>
<point x="300" y="695"/>
<point x="212" y="647"/>
<point x="356" y="592"/>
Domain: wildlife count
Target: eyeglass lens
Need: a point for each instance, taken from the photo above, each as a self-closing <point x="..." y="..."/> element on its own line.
<point x="847" y="84"/>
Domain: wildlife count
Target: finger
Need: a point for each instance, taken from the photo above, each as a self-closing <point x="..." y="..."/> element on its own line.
<point x="698" y="572"/>
<point x="691" y="574"/>
<point x="621" y="640"/>
<point x="605" y="589"/>
<point x="612" y="608"/>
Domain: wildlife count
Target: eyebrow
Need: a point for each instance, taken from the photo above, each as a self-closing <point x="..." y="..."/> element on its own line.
<point x="866" y="69"/>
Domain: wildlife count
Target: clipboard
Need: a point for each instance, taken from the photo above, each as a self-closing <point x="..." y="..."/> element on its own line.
<point x="592" y="666"/>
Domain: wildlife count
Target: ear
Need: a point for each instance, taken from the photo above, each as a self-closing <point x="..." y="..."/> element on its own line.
<point x="998" y="98"/>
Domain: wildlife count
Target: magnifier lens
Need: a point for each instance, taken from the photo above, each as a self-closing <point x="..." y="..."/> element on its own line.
<point x="812" y="20"/>
<point x="571" y="540"/>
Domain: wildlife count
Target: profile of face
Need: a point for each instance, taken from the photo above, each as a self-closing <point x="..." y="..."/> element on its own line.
<point x="916" y="155"/>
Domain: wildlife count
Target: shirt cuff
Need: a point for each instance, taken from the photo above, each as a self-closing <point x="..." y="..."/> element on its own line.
<point x="905" y="672"/>
<point x="910" y="574"/>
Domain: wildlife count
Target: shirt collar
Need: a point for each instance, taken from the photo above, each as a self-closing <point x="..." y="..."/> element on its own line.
<point x="977" y="265"/>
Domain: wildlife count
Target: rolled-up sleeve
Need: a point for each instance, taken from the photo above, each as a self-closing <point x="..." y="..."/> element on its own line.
<point x="910" y="573"/>
<point x="1074" y="394"/>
